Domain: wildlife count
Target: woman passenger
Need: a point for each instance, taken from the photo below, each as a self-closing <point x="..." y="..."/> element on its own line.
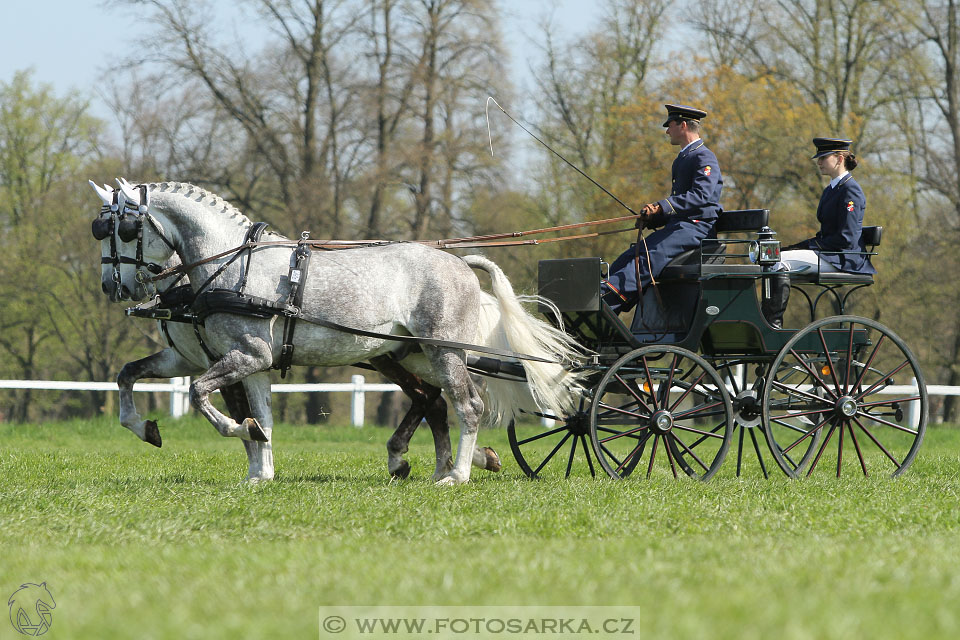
<point x="840" y="214"/>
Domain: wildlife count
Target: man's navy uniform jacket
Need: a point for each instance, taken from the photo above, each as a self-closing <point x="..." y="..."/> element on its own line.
<point x="689" y="215"/>
<point x="840" y="214"/>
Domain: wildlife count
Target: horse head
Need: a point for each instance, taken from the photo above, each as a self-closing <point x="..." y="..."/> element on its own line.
<point x="133" y="245"/>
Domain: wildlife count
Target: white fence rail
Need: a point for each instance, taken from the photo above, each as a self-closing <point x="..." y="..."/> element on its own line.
<point x="179" y="390"/>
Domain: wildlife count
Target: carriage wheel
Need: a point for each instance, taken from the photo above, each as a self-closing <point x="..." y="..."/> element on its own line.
<point x="548" y="453"/>
<point x="744" y="381"/>
<point x="661" y="409"/>
<point x="840" y="386"/>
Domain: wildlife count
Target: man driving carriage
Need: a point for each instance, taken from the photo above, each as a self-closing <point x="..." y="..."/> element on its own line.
<point x="684" y="218"/>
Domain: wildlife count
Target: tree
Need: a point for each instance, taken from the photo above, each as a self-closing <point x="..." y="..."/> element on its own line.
<point x="44" y="141"/>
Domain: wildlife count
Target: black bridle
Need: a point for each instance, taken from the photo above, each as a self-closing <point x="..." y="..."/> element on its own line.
<point x="126" y="223"/>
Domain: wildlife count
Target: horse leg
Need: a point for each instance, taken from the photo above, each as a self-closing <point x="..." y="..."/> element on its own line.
<point x="426" y="402"/>
<point x="163" y="364"/>
<point x="451" y="368"/>
<point x="483" y="457"/>
<point x="412" y="387"/>
<point x="233" y="367"/>
<point x="260" y="410"/>
<point x="235" y="397"/>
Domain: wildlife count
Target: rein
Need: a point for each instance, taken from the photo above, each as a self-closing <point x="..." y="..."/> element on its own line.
<point x="471" y="242"/>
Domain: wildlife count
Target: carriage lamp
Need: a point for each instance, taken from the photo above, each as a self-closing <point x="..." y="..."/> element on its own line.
<point x="768" y="251"/>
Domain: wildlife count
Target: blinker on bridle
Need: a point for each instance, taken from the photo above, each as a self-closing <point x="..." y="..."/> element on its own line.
<point x="126" y="223"/>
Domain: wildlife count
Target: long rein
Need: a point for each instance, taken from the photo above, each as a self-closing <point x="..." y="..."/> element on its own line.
<point x="470" y="242"/>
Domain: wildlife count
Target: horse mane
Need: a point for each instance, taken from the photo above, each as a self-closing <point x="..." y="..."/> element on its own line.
<point x="208" y="198"/>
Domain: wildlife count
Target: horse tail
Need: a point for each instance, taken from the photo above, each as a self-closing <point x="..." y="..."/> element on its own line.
<point x="505" y="324"/>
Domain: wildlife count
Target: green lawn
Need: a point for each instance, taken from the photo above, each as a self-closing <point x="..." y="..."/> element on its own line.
<point x="137" y="542"/>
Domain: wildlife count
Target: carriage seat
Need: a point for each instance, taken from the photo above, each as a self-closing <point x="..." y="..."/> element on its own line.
<point x="871" y="239"/>
<point x="687" y="265"/>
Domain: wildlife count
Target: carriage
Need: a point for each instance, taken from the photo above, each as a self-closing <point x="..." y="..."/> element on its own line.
<point x="699" y="371"/>
<point x="697" y="367"/>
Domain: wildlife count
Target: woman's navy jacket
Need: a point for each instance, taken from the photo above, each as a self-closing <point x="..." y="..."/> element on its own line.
<point x="840" y="214"/>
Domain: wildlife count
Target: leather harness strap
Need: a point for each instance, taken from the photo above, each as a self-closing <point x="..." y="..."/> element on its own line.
<point x="298" y="275"/>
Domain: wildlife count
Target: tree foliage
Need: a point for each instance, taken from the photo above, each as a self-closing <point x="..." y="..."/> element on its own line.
<point x="365" y="119"/>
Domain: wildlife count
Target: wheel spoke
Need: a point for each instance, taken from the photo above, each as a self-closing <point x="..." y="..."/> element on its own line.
<point x="797" y="392"/>
<point x="637" y="451"/>
<point x="703" y="433"/>
<point x="653" y="454"/>
<point x="833" y="370"/>
<point x="623" y="433"/>
<point x="573" y="451"/>
<point x="609" y="430"/>
<point x="866" y="367"/>
<point x="840" y="449"/>
<point x="813" y="374"/>
<point x="856" y="445"/>
<point x="808" y="434"/>
<point x="639" y="400"/>
<point x="822" y="447"/>
<point x="586" y="453"/>
<point x="846" y="378"/>
<point x="685" y="393"/>
<point x="542" y="435"/>
<point x="689" y="450"/>
<point x="690" y="412"/>
<point x="883" y="379"/>
<point x="669" y="383"/>
<point x="890" y="402"/>
<point x="740" y="451"/>
<point x="756" y="447"/>
<point x="613" y="409"/>
<point x="666" y="447"/>
<point x="877" y="442"/>
<point x="653" y="395"/>
<point x="552" y="453"/>
<point x="886" y="422"/>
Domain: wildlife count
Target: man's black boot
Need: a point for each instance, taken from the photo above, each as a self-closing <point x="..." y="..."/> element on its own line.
<point x="774" y="306"/>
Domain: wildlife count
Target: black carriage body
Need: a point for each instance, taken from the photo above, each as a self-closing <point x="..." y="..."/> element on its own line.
<point x="699" y="351"/>
<point x="705" y="301"/>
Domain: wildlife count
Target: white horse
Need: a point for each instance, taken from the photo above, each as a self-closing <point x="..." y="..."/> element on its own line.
<point x="185" y="356"/>
<point x="402" y="289"/>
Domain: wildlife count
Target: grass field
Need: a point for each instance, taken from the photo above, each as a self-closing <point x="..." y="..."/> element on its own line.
<point x="137" y="542"/>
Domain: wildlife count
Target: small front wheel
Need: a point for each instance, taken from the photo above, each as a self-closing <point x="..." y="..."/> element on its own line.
<point x="661" y="409"/>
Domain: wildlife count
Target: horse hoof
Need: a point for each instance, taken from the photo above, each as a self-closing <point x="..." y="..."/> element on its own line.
<point x="254" y="431"/>
<point x="151" y="433"/>
<point x="402" y="471"/>
<point x="493" y="460"/>
<point x="450" y="480"/>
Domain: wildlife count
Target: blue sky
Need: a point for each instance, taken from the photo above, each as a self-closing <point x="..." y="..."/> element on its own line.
<point x="70" y="43"/>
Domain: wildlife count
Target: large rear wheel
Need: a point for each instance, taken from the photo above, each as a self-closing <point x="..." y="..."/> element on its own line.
<point x="840" y="394"/>
<point x="661" y="410"/>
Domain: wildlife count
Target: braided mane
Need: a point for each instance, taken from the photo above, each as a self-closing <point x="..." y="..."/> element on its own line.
<point x="204" y="197"/>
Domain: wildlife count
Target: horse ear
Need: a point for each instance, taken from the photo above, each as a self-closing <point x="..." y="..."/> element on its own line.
<point x="128" y="191"/>
<point x="105" y="195"/>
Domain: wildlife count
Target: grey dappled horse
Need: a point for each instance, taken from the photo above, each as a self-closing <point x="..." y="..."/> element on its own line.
<point x="184" y="356"/>
<point x="399" y="288"/>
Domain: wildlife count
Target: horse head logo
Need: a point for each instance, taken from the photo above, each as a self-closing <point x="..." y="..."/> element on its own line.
<point x="30" y="607"/>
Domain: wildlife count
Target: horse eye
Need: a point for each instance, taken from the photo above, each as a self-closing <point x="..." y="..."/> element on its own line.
<point x="101" y="228"/>
<point x="128" y="229"/>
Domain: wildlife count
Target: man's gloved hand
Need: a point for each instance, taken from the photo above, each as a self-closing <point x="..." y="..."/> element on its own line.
<point x="645" y="213"/>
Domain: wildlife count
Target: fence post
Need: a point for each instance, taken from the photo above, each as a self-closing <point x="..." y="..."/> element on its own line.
<point x="913" y="407"/>
<point x="179" y="399"/>
<point x="356" y="404"/>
